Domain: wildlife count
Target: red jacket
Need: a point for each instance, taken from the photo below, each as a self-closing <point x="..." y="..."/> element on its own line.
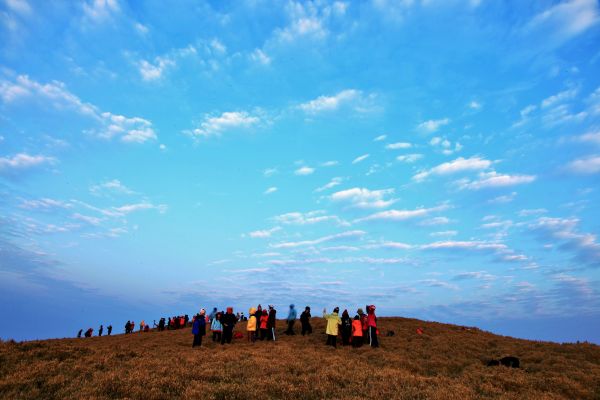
<point x="263" y="321"/>
<point x="357" y="328"/>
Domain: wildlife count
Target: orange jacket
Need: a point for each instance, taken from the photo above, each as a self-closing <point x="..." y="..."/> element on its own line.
<point x="357" y="328"/>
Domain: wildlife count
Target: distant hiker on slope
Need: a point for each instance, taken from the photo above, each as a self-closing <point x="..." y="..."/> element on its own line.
<point x="346" y="328"/>
<point x="372" y="323"/>
<point x="228" y="320"/>
<point x="305" y="321"/>
<point x="251" y="327"/>
<point x="109" y="330"/>
<point x="271" y="323"/>
<point x="357" y="333"/>
<point x="264" y="320"/>
<point x="89" y="332"/>
<point x="79" y="333"/>
<point x="199" y="328"/>
<point x="333" y="321"/>
<point x="291" y="319"/>
<point x="100" y="330"/>
<point x="216" y="327"/>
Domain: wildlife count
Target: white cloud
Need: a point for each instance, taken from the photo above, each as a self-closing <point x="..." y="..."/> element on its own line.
<point x="23" y="161"/>
<point x="433" y="125"/>
<point x="507" y="198"/>
<point x="401" y="215"/>
<point x="525" y="114"/>
<point x="390" y="246"/>
<point x="216" y="125"/>
<point x="309" y="218"/>
<point x="44" y="204"/>
<point x="459" y="165"/>
<point x="527" y="213"/>
<point x="409" y="158"/>
<point x="332" y="183"/>
<point x="494" y="180"/>
<point x="113" y="186"/>
<point x="565" y="20"/>
<point x="130" y="208"/>
<point x="100" y="10"/>
<point x="303" y="171"/>
<point x="590" y="137"/>
<point x="86" y="218"/>
<point x="269" y="172"/>
<point x="364" y="198"/>
<point x="260" y="57"/>
<point x="585" y="165"/>
<point x="443" y="233"/>
<point x="140" y="28"/>
<point x="380" y="138"/>
<point x="330" y="103"/>
<point x="559" y="98"/>
<point x="108" y="125"/>
<point x="153" y="71"/>
<point x="270" y="190"/>
<point x="465" y="245"/>
<point x="398" y="145"/>
<point x="329" y="164"/>
<point x="261" y="234"/>
<point x="435" y="221"/>
<point x="474" y="105"/>
<point x="360" y="158"/>
<point x="350" y="235"/>
<point x="444" y="145"/>
<point x="18" y="6"/>
<point x="217" y="46"/>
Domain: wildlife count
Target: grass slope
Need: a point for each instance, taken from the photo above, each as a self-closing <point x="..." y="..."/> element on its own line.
<point x="446" y="362"/>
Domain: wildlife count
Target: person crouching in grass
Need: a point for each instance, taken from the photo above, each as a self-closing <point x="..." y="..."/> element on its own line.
<point x="251" y="327"/>
<point x="333" y="322"/>
<point x="199" y="328"/>
<point x="216" y="327"/>
<point x="357" y="332"/>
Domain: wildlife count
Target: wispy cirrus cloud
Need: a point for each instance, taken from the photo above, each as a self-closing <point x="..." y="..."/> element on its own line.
<point x="308" y="218"/>
<point x="495" y="180"/>
<point x="401" y="215"/>
<point x="331" y="184"/>
<point x="585" y="165"/>
<point x="432" y="125"/>
<point x="351" y="98"/>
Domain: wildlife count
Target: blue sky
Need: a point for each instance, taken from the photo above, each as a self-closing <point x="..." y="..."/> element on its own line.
<point x="439" y="159"/>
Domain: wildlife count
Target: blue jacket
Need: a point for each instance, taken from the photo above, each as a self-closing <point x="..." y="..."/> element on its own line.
<point x="292" y="314"/>
<point x="216" y="325"/>
<point x="199" y="327"/>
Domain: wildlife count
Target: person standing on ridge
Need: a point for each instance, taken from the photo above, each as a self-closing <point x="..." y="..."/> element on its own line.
<point x="79" y="333"/>
<point x="305" y="321"/>
<point x="291" y="319"/>
<point x="333" y="322"/>
<point x="216" y="327"/>
<point x="251" y="326"/>
<point x="372" y="323"/>
<point x="264" y="319"/>
<point x="357" y="332"/>
<point x="109" y="330"/>
<point x="346" y="328"/>
<point x="100" y="330"/>
<point x="212" y="314"/>
<point x="199" y="328"/>
<point x="271" y="322"/>
<point x="228" y="321"/>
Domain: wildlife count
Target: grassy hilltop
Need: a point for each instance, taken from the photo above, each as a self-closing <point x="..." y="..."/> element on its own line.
<point x="446" y="362"/>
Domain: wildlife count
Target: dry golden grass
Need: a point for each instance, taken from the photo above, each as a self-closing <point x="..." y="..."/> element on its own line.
<point x="446" y="362"/>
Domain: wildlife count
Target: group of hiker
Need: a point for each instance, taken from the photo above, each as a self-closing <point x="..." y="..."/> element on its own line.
<point x="90" y="331"/>
<point x="261" y="325"/>
<point x="362" y="328"/>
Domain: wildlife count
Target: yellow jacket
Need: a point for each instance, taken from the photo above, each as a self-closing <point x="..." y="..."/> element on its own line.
<point x="333" y="322"/>
<point x="251" y="327"/>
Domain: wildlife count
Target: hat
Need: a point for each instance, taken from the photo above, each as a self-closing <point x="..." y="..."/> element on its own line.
<point x="360" y="311"/>
<point x="337" y="309"/>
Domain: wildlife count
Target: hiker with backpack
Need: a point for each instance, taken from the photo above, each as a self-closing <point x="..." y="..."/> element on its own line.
<point x="291" y="319"/>
<point x="333" y="322"/>
<point x="305" y="321"/>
